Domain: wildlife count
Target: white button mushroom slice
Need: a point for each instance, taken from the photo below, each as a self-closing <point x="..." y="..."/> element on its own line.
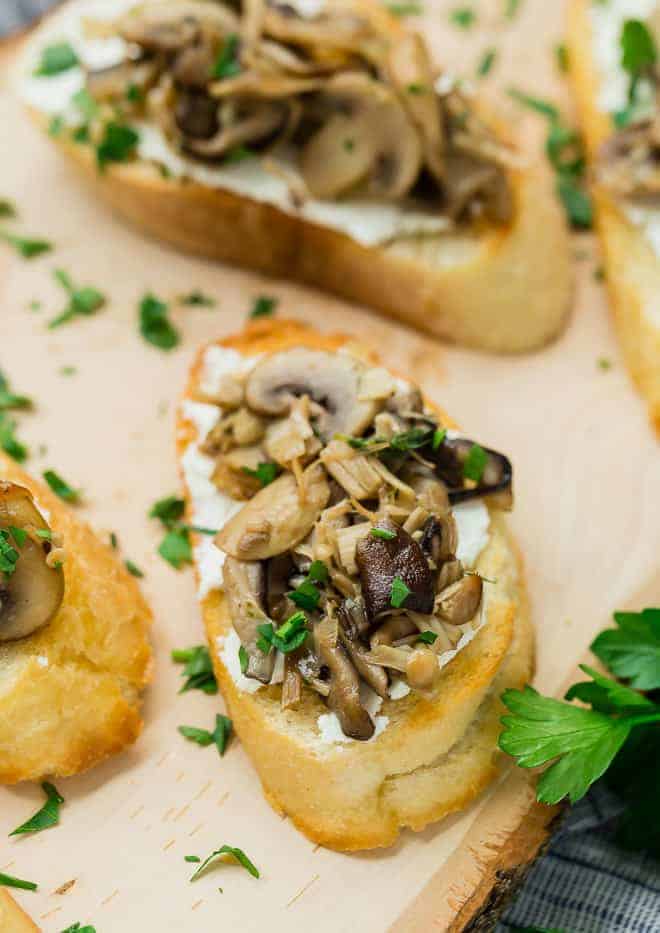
<point x="32" y="592"/>
<point x="329" y="379"/>
<point x="355" y="472"/>
<point x="277" y="518"/>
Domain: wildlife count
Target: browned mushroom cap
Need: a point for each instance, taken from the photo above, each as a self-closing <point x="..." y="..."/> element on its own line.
<point x="332" y="380"/>
<point x="252" y="123"/>
<point x="32" y="592"/>
<point x="439" y="538"/>
<point x="168" y="27"/>
<point x="244" y="585"/>
<point x="344" y="695"/>
<point x="458" y="604"/>
<point x="196" y="115"/>
<point x="193" y="65"/>
<point x="381" y="560"/>
<point x="327" y="31"/>
<point x="471" y="183"/>
<point x="495" y="483"/>
<point x="277" y="518"/>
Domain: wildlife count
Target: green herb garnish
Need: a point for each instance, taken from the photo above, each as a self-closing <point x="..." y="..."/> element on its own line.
<point x="155" y="326"/>
<point x="486" y="62"/>
<point x="438" y="437"/>
<point x="55" y="59"/>
<point x="9" y="399"/>
<point x="196" y="298"/>
<point x="318" y="572"/>
<point x="176" y="548"/>
<point x="307" y="595"/>
<point x="475" y="463"/>
<point x="604" y="363"/>
<point x="7" y="208"/>
<point x="82" y="301"/>
<point x="198" y="669"/>
<point x="8" y="881"/>
<point x="464" y="17"/>
<point x="227" y="64"/>
<point x="8" y="554"/>
<point x="405" y="9"/>
<point x="117" y="144"/>
<point x="399" y="593"/>
<point x="47" y="816"/>
<point x="56" y="126"/>
<point x="26" y="247"/>
<point x="8" y="440"/>
<point x="512" y="7"/>
<point x="19" y="535"/>
<point x="243" y="659"/>
<point x="191" y="858"/>
<point x="383" y="533"/>
<point x="289" y="636"/>
<point x="427" y="637"/>
<point x="76" y="928"/>
<point x="264" y="306"/>
<point x="169" y="509"/>
<point x="60" y="487"/>
<point x="561" y="56"/>
<point x="632" y="650"/>
<point x="544" y="107"/>
<point x="265" y="472"/>
<point x="235" y="853"/>
<point x="220" y="735"/>
<point x="133" y="569"/>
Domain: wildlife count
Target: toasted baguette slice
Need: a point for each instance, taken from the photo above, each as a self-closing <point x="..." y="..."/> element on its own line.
<point x="12" y="918"/>
<point x="435" y="755"/>
<point x="504" y="289"/>
<point x="70" y="693"/>
<point x="632" y="268"/>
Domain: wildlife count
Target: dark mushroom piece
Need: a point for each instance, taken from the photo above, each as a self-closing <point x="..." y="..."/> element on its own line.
<point x="439" y="538"/>
<point x="244" y="584"/>
<point x="32" y="592"/>
<point x="353" y="618"/>
<point x="196" y="114"/>
<point x="380" y="560"/>
<point x="252" y="124"/>
<point x="496" y="480"/>
<point x="279" y="570"/>
<point x="344" y="695"/>
<point x="372" y="674"/>
<point x="332" y="380"/>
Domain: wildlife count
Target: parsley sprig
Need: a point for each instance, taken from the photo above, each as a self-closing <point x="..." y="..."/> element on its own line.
<point x="176" y="547"/>
<point x="198" y="669"/>
<point x="27" y="247"/>
<point x="639" y="55"/>
<point x="47" y="816"/>
<point x="234" y="853"/>
<point x="287" y="638"/>
<point x="61" y="488"/>
<point x="56" y="58"/>
<point x="155" y="326"/>
<point x="83" y="301"/>
<point x="8" y="881"/>
<point x="9" y="399"/>
<point x="615" y="734"/>
<point x="220" y="735"/>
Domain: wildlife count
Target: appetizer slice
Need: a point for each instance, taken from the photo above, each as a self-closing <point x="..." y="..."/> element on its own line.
<point x="616" y="72"/>
<point x="362" y="598"/>
<point x="74" y="655"/>
<point x="312" y="141"/>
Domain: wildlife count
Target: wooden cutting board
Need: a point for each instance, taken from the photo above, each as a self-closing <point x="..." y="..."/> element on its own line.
<point x="587" y="483"/>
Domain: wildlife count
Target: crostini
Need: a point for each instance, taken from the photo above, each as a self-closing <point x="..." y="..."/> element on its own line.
<point x="619" y="100"/>
<point x="363" y="600"/>
<point x="74" y="654"/>
<point x="310" y="141"/>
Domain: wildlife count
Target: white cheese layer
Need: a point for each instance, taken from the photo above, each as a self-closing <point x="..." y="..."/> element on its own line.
<point x="211" y="509"/>
<point x="368" y="222"/>
<point x="607" y="21"/>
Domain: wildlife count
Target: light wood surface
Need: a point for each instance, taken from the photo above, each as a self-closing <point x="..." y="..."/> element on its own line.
<point x="587" y="486"/>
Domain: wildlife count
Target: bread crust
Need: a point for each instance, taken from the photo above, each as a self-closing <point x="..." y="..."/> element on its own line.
<point x="632" y="269"/>
<point x="12" y="918"/>
<point x="435" y="755"/>
<point x="70" y="693"/>
<point x="494" y="290"/>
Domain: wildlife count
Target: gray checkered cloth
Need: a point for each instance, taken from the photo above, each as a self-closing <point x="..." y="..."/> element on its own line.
<point x="584" y="884"/>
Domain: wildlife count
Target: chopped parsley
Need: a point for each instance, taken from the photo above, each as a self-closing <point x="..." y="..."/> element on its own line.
<point x="134" y="94"/>
<point x="227" y="64"/>
<point x="307" y="595"/>
<point x="9" y="399"/>
<point x="55" y="59"/>
<point x="19" y="535"/>
<point x="544" y="107"/>
<point x="198" y="669"/>
<point x="56" y="125"/>
<point x="85" y="104"/>
<point x="26" y="247"/>
<point x="191" y="858"/>
<point x="638" y="56"/>
<point x="8" y="554"/>
<point x="114" y="543"/>
<point x="155" y="325"/>
<point x="47" y="816"/>
<point x="438" y="437"/>
<point x="76" y="928"/>
<point x="289" y="636"/>
<point x="8" y="440"/>
<point x="383" y="533"/>
<point x="243" y="659"/>
<point x="511" y="8"/>
<point x="486" y="62"/>
<point x="318" y="572"/>
<point x="83" y="301"/>
<point x="604" y="363"/>
<point x="176" y="548"/>
<point x="463" y="17"/>
<point x="265" y="472"/>
<point x="561" y="56"/>
<point x="475" y="463"/>
<point x="264" y="306"/>
<point x="399" y="593"/>
<point x="428" y="637"/>
<point x="117" y="144"/>
<point x="197" y="298"/>
<point x="220" y="735"/>
<point x="133" y="569"/>
<point x="415" y="88"/>
<point x="68" y="370"/>
<point x="8" y="881"/>
<point x="60" y="487"/>
<point x="7" y="208"/>
<point x="405" y="9"/>
<point x="234" y="853"/>
<point x="169" y="509"/>
<point x="349" y="145"/>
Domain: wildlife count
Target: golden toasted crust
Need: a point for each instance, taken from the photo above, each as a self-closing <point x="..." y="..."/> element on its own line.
<point x="495" y="290"/>
<point x="631" y="266"/>
<point x="70" y="693"/>
<point x="12" y="918"/>
<point x="435" y="754"/>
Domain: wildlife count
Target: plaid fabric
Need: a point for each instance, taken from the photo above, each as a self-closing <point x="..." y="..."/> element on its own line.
<point x="584" y="884"/>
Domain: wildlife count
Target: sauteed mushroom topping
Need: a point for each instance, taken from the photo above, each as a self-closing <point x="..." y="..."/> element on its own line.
<point x="31" y="578"/>
<point x="345" y="563"/>
<point x="353" y="103"/>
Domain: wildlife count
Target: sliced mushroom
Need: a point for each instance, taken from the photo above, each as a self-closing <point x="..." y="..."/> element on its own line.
<point x="252" y="123"/>
<point x="277" y="518"/>
<point x="344" y="695"/>
<point x="232" y="472"/>
<point x="458" y="603"/>
<point x="380" y="561"/>
<point x="196" y="115"/>
<point x="168" y="27"/>
<point x="353" y="618"/>
<point x="279" y="571"/>
<point x="31" y="594"/>
<point x="193" y="64"/>
<point x="496" y="480"/>
<point x="329" y="379"/>
<point x="628" y="162"/>
<point x="291" y="685"/>
<point x="439" y="539"/>
<point x="116" y="80"/>
<point x="244" y="585"/>
<point x="354" y="471"/>
<point x="393" y="629"/>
